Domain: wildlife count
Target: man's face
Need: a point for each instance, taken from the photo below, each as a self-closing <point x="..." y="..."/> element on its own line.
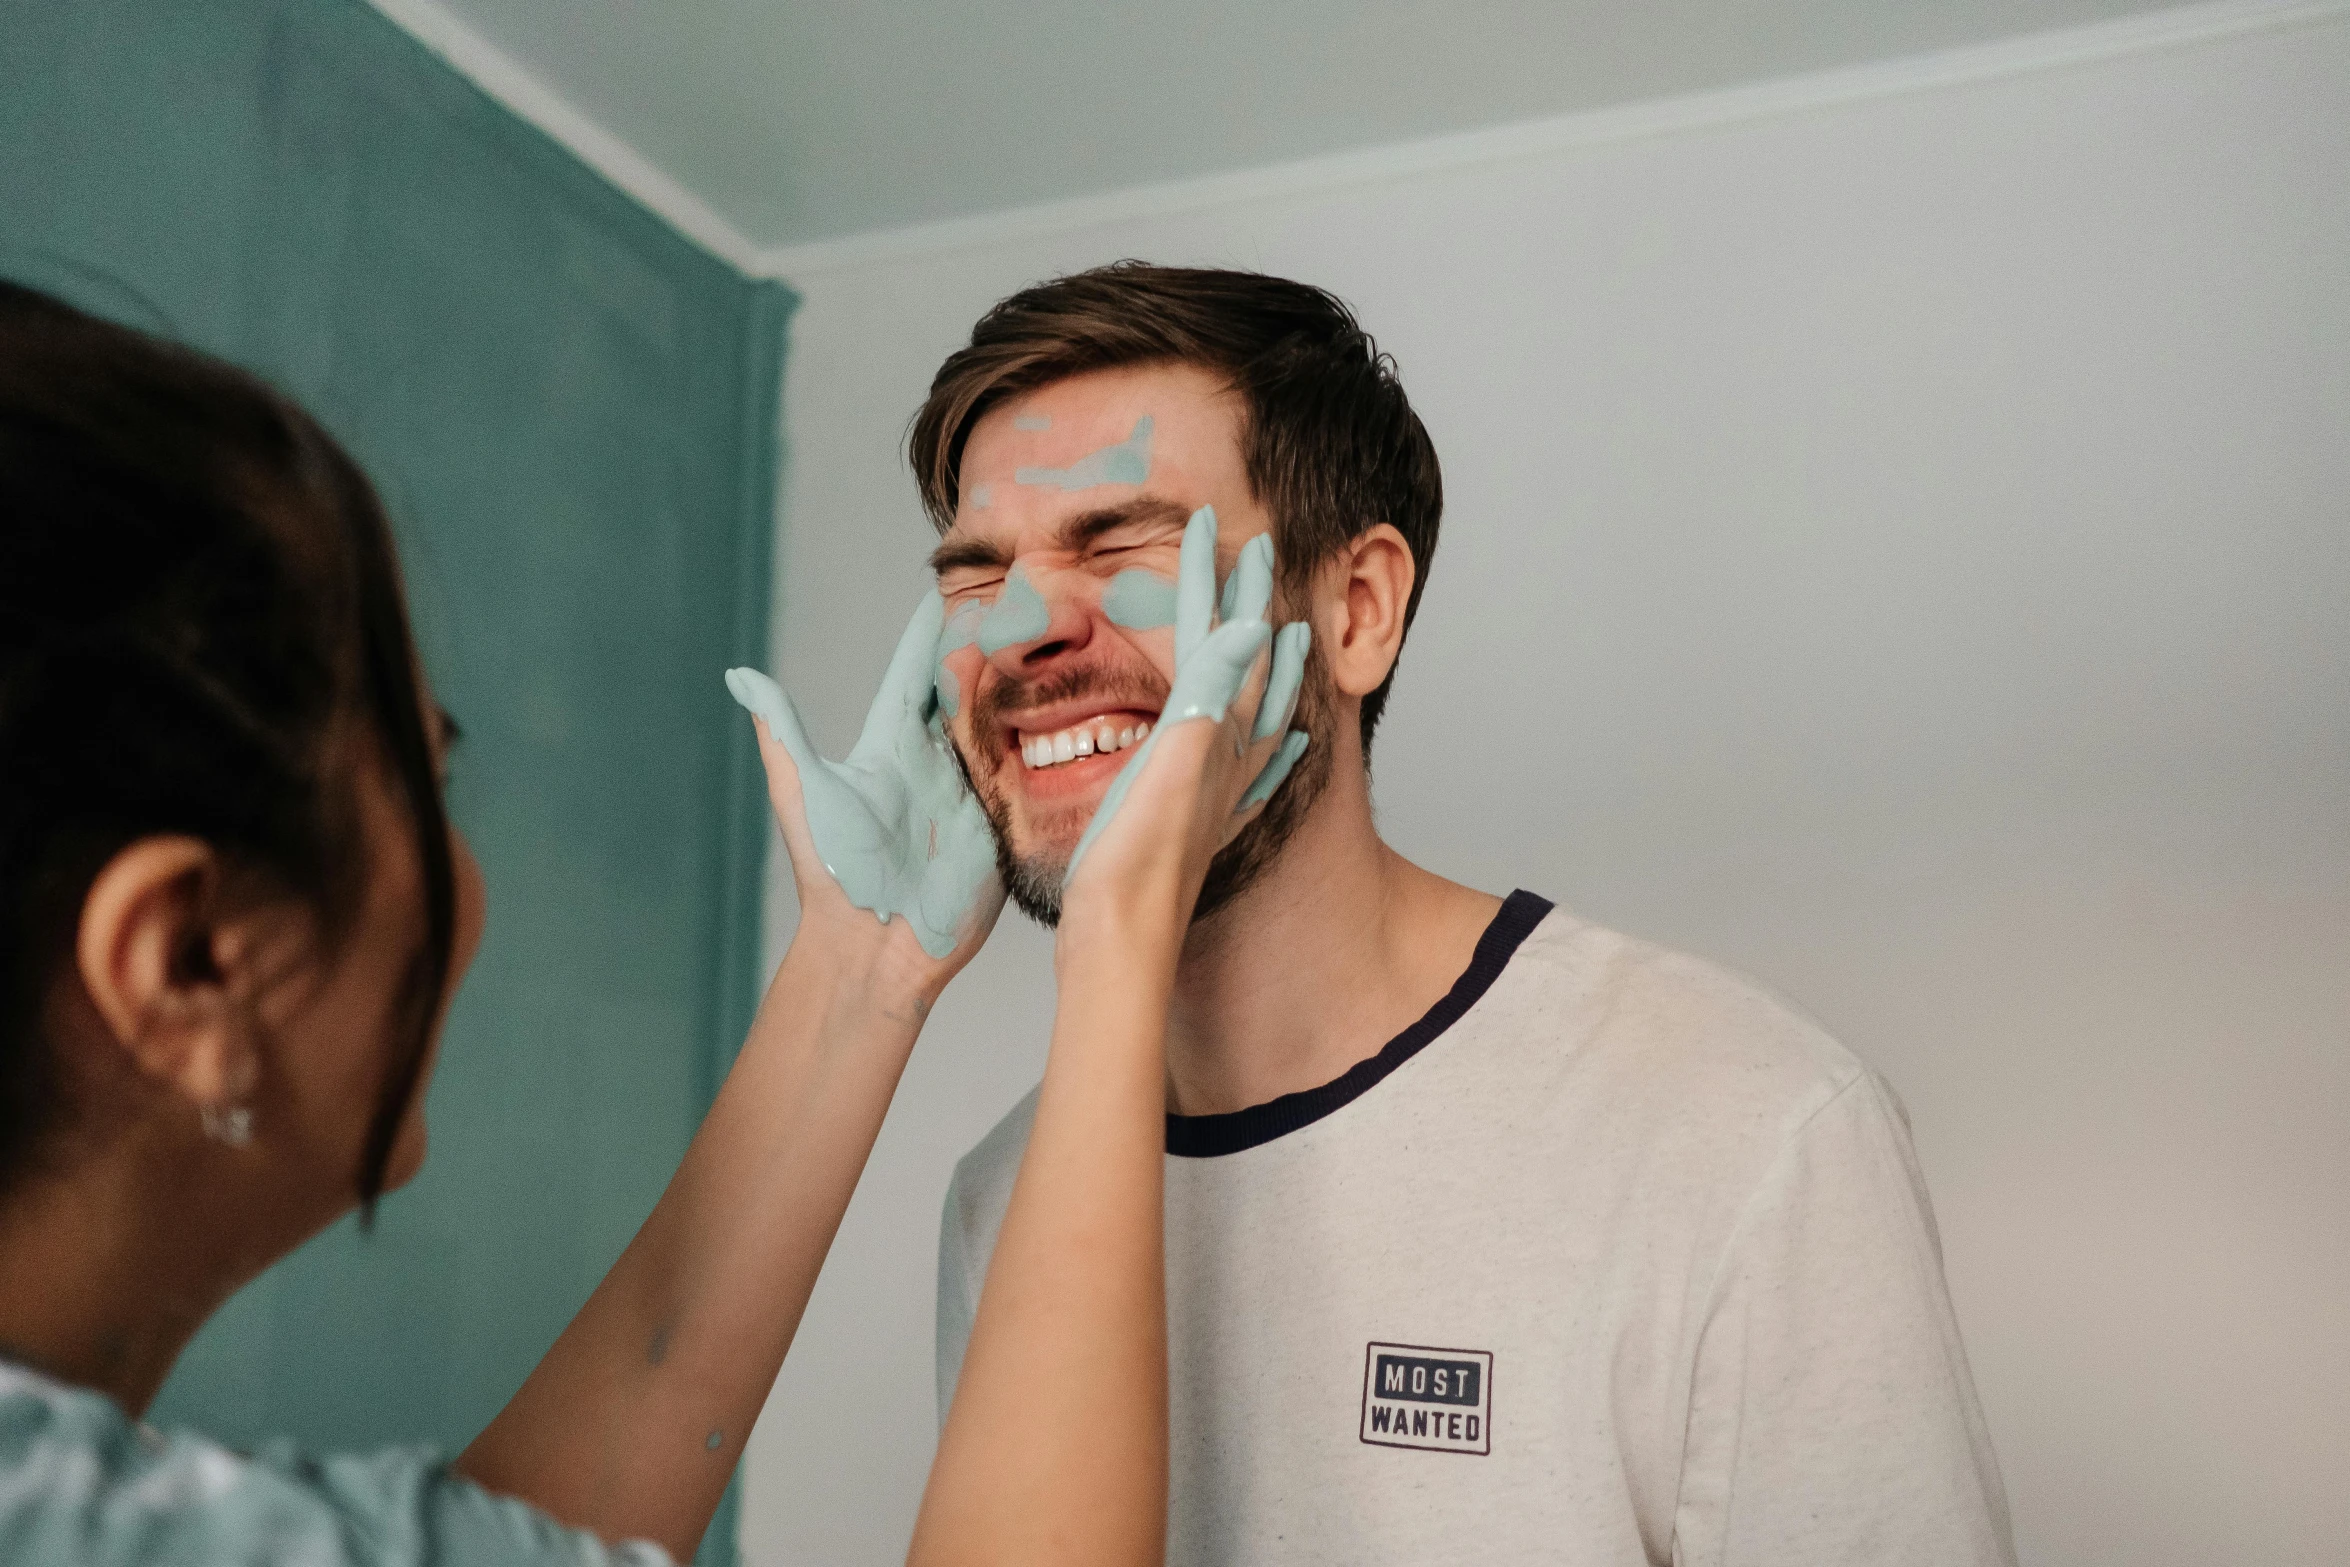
<point x="1058" y="575"/>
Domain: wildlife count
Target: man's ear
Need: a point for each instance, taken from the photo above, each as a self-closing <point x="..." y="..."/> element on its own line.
<point x="163" y="970"/>
<point x="1365" y="589"/>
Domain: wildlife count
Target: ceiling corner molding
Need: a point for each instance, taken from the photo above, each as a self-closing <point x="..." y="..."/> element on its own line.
<point x="503" y="78"/>
<point x="2007" y="57"/>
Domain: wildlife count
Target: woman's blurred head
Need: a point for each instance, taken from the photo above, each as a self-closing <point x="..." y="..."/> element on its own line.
<point x="231" y="905"/>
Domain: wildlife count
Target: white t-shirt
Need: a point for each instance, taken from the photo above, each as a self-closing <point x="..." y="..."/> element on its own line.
<point x="82" y="1486"/>
<point x="1609" y="1258"/>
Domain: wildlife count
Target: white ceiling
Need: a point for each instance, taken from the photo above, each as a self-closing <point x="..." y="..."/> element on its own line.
<point x="796" y="120"/>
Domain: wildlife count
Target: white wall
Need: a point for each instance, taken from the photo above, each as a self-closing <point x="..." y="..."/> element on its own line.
<point x="1901" y="550"/>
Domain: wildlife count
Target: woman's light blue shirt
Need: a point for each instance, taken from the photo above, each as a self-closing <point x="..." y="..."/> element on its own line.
<point x="81" y="1484"/>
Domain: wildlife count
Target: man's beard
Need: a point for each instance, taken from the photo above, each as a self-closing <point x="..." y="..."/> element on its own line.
<point x="1034" y="880"/>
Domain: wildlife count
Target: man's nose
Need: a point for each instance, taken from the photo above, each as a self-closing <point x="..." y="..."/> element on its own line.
<point x="1036" y="617"/>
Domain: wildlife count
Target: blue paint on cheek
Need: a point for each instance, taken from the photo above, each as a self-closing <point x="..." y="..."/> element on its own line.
<point x="1032" y="422"/>
<point x="961" y="630"/>
<point x="1019" y="615"/>
<point x="1128" y="462"/>
<point x="1139" y="601"/>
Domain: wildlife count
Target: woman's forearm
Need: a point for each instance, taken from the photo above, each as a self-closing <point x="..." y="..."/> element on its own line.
<point x="1069" y="1347"/>
<point x="1055" y="1448"/>
<point x="633" y="1422"/>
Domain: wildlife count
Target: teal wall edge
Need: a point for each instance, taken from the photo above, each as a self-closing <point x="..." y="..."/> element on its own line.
<point x="573" y="414"/>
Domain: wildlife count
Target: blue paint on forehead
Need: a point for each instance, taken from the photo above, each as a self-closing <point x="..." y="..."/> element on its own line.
<point x="1128" y="462"/>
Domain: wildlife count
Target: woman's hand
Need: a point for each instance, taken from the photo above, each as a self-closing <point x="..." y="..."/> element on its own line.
<point x="889" y="838"/>
<point x="633" y="1421"/>
<point x="1222" y="745"/>
<point x="1055" y="1448"/>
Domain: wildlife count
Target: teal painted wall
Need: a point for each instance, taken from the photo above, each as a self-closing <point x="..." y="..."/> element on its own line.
<point x="571" y="412"/>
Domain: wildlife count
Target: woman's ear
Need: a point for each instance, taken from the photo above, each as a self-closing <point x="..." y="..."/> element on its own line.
<point x="1366" y="586"/>
<point x="167" y="976"/>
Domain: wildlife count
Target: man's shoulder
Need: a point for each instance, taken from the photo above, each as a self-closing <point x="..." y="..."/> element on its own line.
<point x="1615" y="1023"/>
<point x="1666" y="1024"/>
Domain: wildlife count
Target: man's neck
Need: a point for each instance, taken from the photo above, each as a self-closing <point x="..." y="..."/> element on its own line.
<point x="1341" y="945"/>
<point x="107" y="1270"/>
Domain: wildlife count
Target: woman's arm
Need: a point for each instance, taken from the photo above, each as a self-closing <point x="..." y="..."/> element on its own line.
<point x="1055" y="1448"/>
<point x="633" y="1422"/>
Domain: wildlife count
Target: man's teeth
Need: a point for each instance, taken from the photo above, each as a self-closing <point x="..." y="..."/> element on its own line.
<point x="1081" y="740"/>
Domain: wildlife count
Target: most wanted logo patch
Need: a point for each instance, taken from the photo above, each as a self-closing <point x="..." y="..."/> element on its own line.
<point x="1439" y="1400"/>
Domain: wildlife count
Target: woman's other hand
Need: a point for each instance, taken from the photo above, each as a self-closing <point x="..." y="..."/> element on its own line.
<point x="1222" y="745"/>
<point x="888" y="840"/>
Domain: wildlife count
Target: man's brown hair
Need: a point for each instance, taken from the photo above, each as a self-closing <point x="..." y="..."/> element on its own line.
<point x="1328" y="440"/>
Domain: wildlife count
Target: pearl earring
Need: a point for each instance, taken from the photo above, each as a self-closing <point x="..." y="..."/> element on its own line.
<point x="229" y="1124"/>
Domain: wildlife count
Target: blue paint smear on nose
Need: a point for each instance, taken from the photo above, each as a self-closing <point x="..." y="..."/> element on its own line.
<point x="1128" y="462"/>
<point x="1139" y="600"/>
<point x="960" y="631"/>
<point x="1019" y="615"/>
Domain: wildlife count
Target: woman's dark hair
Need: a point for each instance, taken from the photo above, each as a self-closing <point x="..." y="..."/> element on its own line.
<point x="202" y="632"/>
<point x="1329" y="441"/>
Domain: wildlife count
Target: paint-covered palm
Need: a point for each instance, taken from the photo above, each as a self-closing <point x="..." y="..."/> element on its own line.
<point x="893" y="822"/>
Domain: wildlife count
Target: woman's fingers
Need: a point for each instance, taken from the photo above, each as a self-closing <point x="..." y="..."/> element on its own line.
<point x="1231" y="671"/>
<point x="905" y="691"/>
<point x="767" y="701"/>
<point x="1274" y="710"/>
<point x="1205" y="689"/>
<point x="773" y="706"/>
<point x="772" y="718"/>
<point x="1217" y="669"/>
<point x="1195" y="585"/>
<point x="1248" y="592"/>
<point x="839" y="823"/>
<point x="1293" y="746"/>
